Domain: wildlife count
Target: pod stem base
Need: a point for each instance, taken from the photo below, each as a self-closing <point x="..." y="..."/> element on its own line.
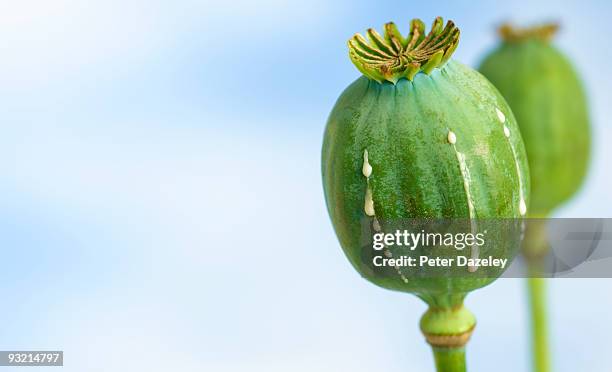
<point x="449" y="359"/>
<point x="448" y="330"/>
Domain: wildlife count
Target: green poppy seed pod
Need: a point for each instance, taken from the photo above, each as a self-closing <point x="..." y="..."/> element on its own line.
<point x="549" y="103"/>
<point x="547" y="98"/>
<point x="421" y="136"/>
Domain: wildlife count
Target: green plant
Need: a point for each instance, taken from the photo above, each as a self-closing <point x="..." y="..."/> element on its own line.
<point x="421" y="136"/>
<point x="548" y="100"/>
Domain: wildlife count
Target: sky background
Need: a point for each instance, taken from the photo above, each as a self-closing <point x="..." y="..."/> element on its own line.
<point x="160" y="198"/>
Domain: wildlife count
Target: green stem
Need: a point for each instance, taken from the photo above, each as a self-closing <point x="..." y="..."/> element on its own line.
<point x="449" y="359"/>
<point x="539" y="324"/>
<point x="535" y="249"/>
<point x="448" y="330"/>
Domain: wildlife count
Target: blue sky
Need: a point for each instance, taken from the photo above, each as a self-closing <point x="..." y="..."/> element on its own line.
<point x="161" y="197"/>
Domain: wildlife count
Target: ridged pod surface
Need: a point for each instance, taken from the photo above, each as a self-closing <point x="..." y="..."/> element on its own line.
<point x="549" y="103"/>
<point x="421" y="136"/>
<point x="442" y="145"/>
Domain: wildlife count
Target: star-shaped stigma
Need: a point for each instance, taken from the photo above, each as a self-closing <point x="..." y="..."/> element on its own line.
<point x="393" y="56"/>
